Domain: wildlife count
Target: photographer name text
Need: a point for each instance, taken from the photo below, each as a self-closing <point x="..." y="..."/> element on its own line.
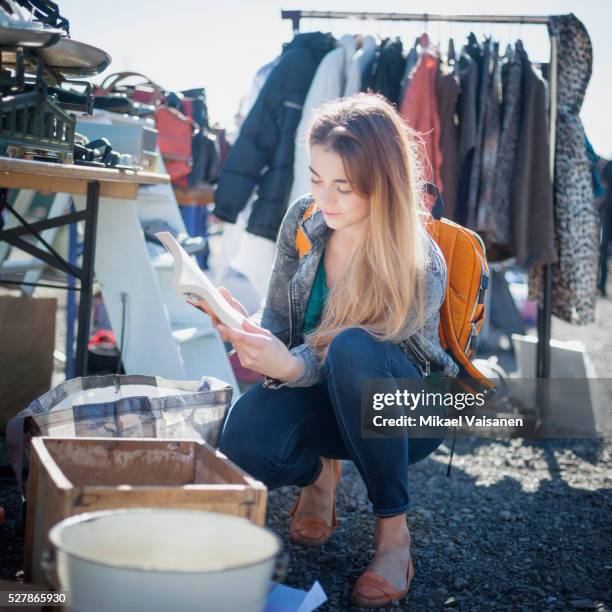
<point x="435" y="421"/>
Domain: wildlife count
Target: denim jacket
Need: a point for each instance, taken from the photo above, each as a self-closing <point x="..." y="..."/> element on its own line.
<point x="289" y="289"/>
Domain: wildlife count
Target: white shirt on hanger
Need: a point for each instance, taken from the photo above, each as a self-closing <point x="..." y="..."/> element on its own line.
<point x="329" y="82"/>
<point x="360" y="60"/>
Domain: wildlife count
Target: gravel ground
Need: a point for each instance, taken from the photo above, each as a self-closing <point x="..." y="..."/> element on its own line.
<point x="517" y="526"/>
<point x="11" y="546"/>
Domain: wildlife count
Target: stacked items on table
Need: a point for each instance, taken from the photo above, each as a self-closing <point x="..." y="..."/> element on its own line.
<point x="38" y="58"/>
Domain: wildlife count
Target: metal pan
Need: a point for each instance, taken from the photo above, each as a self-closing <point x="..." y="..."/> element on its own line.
<point x="73" y="58"/>
<point x="27" y="37"/>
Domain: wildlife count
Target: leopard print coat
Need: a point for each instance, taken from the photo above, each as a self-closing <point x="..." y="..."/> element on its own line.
<point x="576" y="226"/>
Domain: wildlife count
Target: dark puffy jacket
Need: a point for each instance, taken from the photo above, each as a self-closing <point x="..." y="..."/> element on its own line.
<point x="267" y="139"/>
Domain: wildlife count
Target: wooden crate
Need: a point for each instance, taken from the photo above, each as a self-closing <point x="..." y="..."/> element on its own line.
<point x="69" y="476"/>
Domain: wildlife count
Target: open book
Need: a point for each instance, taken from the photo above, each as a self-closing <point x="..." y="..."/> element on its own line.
<point x="189" y="281"/>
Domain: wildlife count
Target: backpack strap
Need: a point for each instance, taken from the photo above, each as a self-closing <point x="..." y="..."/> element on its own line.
<point x="438" y="207"/>
<point x="302" y="242"/>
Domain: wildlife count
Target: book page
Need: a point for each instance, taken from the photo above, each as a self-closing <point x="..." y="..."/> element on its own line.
<point x="190" y="280"/>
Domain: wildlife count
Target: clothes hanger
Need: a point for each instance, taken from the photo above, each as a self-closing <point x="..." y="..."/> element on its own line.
<point x="426" y="45"/>
<point x="395" y="31"/>
<point x="509" y="37"/>
<point x="481" y="30"/>
<point x="451" y="57"/>
<point x="452" y="54"/>
<point x="422" y="40"/>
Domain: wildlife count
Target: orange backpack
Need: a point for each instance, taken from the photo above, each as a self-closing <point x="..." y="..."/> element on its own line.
<point x="463" y="311"/>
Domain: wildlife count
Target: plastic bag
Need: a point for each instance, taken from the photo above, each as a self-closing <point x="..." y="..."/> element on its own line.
<point x="114" y="406"/>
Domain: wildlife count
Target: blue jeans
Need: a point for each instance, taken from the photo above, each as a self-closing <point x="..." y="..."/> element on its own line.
<point x="279" y="435"/>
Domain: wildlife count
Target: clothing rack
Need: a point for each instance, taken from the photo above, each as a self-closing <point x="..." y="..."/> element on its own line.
<point x="544" y="309"/>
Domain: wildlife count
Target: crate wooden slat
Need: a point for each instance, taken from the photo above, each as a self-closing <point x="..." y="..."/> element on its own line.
<point x="69" y="476"/>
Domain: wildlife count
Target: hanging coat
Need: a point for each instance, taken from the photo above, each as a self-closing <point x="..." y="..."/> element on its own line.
<point x="420" y="109"/>
<point x="242" y="252"/>
<point x="359" y="62"/>
<point x="532" y="197"/>
<point x="328" y="83"/>
<point x="262" y="156"/>
<point x="385" y="71"/>
<point x="490" y="145"/>
<point x="261" y="76"/>
<point x="577" y="228"/>
<point x="447" y="92"/>
<point x="468" y="129"/>
<point x="411" y="61"/>
<point x="500" y="231"/>
<point x="484" y="62"/>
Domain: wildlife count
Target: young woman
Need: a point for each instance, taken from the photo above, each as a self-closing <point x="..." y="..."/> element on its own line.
<point x="361" y="301"/>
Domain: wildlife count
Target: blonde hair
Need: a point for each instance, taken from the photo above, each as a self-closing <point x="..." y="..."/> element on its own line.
<point x="384" y="277"/>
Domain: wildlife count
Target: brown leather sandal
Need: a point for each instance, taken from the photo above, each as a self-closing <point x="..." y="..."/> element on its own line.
<point x="374" y="591"/>
<point x="314" y="531"/>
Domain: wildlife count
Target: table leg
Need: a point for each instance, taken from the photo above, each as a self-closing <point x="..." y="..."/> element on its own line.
<point x="85" y="300"/>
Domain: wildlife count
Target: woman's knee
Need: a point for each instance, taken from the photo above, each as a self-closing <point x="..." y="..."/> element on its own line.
<point x="252" y="458"/>
<point x="355" y="348"/>
<point x="346" y="339"/>
<point x="352" y="343"/>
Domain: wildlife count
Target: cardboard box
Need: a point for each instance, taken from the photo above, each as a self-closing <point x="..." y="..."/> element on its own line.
<point x="27" y="328"/>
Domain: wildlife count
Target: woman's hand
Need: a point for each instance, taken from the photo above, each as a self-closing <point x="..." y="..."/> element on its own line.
<point x="231" y="300"/>
<point x="260" y="350"/>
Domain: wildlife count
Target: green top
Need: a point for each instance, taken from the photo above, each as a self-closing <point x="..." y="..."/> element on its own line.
<point x="316" y="301"/>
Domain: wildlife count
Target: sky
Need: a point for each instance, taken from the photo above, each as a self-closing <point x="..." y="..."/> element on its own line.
<point x="220" y="45"/>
